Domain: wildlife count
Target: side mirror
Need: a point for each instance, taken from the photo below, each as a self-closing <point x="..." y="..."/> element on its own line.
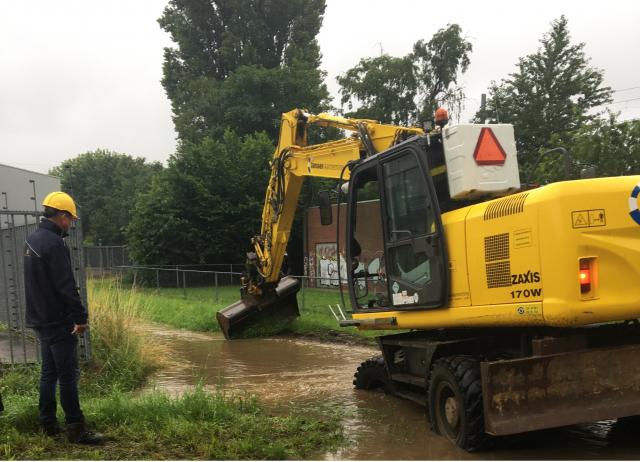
<point x="324" y="201"/>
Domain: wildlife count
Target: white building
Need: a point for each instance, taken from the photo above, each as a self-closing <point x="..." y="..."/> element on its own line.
<point x="24" y="190"/>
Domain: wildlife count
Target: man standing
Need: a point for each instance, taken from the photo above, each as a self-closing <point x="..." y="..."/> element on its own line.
<point x="55" y="312"/>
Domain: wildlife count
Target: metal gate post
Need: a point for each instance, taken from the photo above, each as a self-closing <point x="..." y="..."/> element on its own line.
<point x="5" y="282"/>
<point x="17" y="287"/>
<point x="216" y="286"/>
<point x="101" y="258"/>
<point x="81" y="279"/>
<point x="184" y="283"/>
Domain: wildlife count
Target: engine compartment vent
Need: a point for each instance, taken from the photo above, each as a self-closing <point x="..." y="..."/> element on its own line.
<point x="507" y="206"/>
<point x="497" y="263"/>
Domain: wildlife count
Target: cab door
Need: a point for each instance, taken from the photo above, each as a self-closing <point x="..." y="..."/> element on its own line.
<point x="415" y="265"/>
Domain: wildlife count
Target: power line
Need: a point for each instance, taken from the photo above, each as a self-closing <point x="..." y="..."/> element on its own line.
<point x="624" y="101"/>
<point x="618" y="102"/>
<point x="626" y="89"/>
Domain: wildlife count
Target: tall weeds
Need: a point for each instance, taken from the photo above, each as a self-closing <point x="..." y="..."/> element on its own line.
<point x="122" y="358"/>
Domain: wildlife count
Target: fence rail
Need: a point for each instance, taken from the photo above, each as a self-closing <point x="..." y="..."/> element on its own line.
<point x="189" y="283"/>
<point x="98" y="256"/>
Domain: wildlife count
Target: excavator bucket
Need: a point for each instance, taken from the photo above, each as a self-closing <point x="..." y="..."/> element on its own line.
<point x="252" y="316"/>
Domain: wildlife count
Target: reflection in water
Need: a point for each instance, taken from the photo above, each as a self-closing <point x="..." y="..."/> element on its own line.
<point x="316" y="376"/>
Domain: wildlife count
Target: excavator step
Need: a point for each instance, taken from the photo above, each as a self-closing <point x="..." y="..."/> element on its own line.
<point x="410" y="379"/>
<point x="419" y="398"/>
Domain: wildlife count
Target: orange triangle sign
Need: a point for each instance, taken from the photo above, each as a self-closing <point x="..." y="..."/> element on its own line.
<point x="488" y="150"/>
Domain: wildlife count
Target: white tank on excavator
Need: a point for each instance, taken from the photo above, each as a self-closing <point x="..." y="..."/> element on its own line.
<point x="481" y="160"/>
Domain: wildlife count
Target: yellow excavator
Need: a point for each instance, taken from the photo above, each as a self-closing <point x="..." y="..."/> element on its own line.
<point x="518" y="307"/>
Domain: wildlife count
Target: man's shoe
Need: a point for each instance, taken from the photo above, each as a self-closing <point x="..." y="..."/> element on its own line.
<point x="78" y="433"/>
<point x="51" y="429"/>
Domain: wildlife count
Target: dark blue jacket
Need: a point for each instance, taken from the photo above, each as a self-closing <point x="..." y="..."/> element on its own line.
<point x="50" y="287"/>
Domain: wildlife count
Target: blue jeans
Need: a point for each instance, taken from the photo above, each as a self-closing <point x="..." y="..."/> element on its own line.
<point x="59" y="352"/>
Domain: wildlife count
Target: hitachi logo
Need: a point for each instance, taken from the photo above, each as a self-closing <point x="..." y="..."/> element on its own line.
<point x="525" y="278"/>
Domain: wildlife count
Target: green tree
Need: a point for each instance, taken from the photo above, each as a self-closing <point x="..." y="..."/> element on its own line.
<point x="552" y="94"/>
<point x="205" y="206"/>
<point x="239" y="64"/>
<point x="407" y="90"/>
<point x="105" y="184"/>
<point x="608" y="147"/>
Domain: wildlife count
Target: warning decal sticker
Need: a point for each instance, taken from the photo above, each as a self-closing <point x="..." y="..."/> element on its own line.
<point x="588" y="218"/>
<point x="580" y="219"/>
<point x="488" y="149"/>
<point x="633" y="204"/>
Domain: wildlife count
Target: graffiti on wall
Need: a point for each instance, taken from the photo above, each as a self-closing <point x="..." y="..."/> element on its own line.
<point x="327" y="264"/>
<point x="327" y="261"/>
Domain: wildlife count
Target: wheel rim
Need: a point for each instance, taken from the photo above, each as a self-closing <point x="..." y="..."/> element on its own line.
<point x="448" y="411"/>
<point x="451" y="411"/>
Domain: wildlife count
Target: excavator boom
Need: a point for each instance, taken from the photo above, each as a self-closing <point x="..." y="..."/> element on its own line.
<point x="263" y="293"/>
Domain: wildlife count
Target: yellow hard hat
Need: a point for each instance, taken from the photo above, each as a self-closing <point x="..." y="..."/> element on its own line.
<point x="61" y="201"/>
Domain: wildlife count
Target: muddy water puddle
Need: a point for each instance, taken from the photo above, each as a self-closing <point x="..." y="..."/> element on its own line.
<point x="313" y="376"/>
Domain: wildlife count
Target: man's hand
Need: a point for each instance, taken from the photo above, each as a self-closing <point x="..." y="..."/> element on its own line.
<point x="79" y="329"/>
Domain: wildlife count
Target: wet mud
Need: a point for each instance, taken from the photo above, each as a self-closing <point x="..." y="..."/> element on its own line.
<point x="316" y="377"/>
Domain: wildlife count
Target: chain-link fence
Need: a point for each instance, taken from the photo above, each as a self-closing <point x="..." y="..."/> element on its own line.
<point x="18" y="343"/>
<point x="204" y="283"/>
<point x="106" y="256"/>
<point x="181" y="277"/>
<point x="215" y="283"/>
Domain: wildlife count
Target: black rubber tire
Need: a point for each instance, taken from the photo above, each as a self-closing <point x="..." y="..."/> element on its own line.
<point x="372" y="374"/>
<point x="454" y="383"/>
<point x="632" y="420"/>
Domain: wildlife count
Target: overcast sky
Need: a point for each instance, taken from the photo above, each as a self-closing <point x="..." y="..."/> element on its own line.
<point x="77" y="75"/>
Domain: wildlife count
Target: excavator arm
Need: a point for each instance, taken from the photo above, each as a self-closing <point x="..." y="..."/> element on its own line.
<point x="294" y="159"/>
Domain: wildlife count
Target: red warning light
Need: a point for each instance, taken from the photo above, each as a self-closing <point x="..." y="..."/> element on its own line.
<point x="488" y="150"/>
<point x="585" y="275"/>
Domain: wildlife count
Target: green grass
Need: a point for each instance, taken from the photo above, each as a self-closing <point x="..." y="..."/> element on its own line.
<point x="197" y="425"/>
<point x="195" y="309"/>
<point x="316" y="319"/>
<point x="195" y="312"/>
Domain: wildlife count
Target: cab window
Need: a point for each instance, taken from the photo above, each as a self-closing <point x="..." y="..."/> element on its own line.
<point x="411" y="255"/>
<point x="367" y="264"/>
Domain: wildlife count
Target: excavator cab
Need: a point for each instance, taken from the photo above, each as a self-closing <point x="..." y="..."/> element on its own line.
<point x="395" y="241"/>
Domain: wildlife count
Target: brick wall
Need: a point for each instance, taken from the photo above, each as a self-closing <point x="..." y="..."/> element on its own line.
<point x="321" y="259"/>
